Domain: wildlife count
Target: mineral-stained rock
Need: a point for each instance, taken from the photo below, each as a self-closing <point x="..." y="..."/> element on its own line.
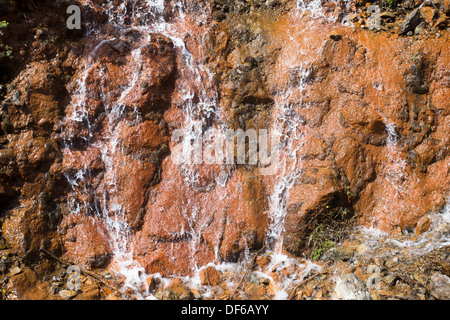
<point x="441" y="286"/>
<point x="230" y="225"/>
<point x="428" y="13"/>
<point x="177" y="290"/>
<point x="210" y="276"/>
<point x="411" y="20"/>
<point x="350" y="287"/>
<point x="85" y="130"/>
<point x="25" y="229"/>
<point x="67" y="294"/>
<point x="87" y="241"/>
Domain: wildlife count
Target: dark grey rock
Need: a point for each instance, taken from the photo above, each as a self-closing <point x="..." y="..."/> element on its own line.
<point x="410" y="22"/>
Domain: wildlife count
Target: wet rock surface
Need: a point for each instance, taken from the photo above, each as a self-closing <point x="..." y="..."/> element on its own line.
<point x="370" y="108"/>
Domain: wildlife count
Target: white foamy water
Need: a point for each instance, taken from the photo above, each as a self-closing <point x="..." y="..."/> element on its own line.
<point x="199" y="106"/>
<point x="436" y="237"/>
<point x="200" y="110"/>
<point x="287" y="127"/>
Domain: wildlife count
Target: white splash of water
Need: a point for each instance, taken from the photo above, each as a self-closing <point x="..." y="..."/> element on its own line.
<point x="288" y="127"/>
<point x="314" y="7"/>
<point x="436" y="237"/>
<point x="198" y="105"/>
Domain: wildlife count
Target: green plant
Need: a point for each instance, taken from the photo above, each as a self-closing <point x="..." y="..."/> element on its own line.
<point x="319" y="251"/>
<point x="390" y="3"/>
<point x="329" y="228"/>
<point x="415" y="56"/>
<point x="5" y="51"/>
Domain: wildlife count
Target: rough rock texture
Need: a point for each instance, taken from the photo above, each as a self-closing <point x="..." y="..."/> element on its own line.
<point x="350" y="287"/>
<point x="366" y="113"/>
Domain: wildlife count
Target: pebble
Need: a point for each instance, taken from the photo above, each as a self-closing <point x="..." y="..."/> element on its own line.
<point x="336" y="36"/>
<point x="67" y="294"/>
<point x="361" y="248"/>
<point x="14" y="271"/>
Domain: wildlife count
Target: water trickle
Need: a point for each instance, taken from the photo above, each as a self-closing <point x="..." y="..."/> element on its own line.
<point x="198" y="104"/>
<point x="199" y="204"/>
<point x="287" y="127"/>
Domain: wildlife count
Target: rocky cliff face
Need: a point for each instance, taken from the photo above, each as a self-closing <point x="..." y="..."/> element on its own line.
<point x="87" y="168"/>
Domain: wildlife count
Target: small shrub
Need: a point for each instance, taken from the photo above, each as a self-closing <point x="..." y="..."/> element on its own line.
<point x="328" y="228"/>
<point x="5" y="50"/>
<point x="391" y="3"/>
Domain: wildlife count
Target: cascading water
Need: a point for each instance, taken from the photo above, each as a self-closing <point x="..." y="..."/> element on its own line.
<point x="197" y="99"/>
<point x="287" y="127"/>
<point x="198" y="105"/>
<point x="200" y="113"/>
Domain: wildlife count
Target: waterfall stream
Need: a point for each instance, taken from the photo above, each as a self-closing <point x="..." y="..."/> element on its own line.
<point x="200" y="110"/>
<point x="198" y="101"/>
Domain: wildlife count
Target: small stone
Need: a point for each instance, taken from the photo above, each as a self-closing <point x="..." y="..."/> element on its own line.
<point x="152" y="283"/>
<point x="441" y="287"/>
<point x="423" y="225"/>
<point x="263" y="261"/>
<point x="16" y="99"/>
<point x="361" y="248"/>
<point x="420" y="29"/>
<point x="210" y="276"/>
<point x="351" y="18"/>
<point x="341" y="253"/>
<point x="410" y="22"/>
<point x="106" y="275"/>
<point x="336" y="36"/>
<point x="159" y="295"/>
<point x="197" y="295"/>
<point x="177" y="290"/>
<point x="350" y="287"/>
<point x="14" y="271"/>
<point x="67" y="294"/>
<point x="428" y="13"/>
